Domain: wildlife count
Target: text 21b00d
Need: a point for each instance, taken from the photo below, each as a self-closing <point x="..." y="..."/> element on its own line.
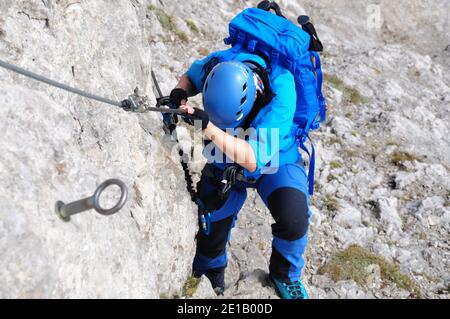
<point x="246" y="308"/>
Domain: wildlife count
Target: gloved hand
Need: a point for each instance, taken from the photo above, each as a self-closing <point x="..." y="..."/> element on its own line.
<point x="177" y="96"/>
<point x="198" y="115"/>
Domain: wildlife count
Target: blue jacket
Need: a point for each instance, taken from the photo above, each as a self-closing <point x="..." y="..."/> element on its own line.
<point x="273" y="148"/>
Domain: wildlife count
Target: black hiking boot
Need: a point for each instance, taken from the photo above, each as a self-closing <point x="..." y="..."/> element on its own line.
<point x="217" y="278"/>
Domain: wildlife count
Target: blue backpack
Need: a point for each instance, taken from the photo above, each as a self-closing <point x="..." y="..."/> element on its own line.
<point x="285" y="44"/>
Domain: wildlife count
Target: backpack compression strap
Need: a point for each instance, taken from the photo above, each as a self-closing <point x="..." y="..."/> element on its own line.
<point x="302" y="137"/>
<point x="318" y="71"/>
<point x="302" y="134"/>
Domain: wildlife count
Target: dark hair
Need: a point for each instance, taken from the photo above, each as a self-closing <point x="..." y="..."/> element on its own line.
<point x="261" y="99"/>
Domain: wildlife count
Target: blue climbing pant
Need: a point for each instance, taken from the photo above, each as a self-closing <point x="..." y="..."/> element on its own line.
<point x="285" y="193"/>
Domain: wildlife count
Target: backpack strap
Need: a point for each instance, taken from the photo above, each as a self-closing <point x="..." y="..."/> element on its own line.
<point x="318" y="71"/>
<point x="301" y="138"/>
<point x="271" y="5"/>
<point x="240" y="41"/>
<point x="315" y="44"/>
<point x="207" y="68"/>
<point x="314" y="123"/>
<point x="302" y="134"/>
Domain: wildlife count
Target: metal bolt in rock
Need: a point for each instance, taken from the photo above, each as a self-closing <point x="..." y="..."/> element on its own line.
<point x="65" y="211"/>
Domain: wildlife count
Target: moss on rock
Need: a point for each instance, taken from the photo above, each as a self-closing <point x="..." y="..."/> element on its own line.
<point x="350" y="94"/>
<point x="190" y="286"/>
<point x="352" y="263"/>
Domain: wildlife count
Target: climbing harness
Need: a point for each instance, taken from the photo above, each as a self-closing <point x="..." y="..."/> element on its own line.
<point x="65" y="211"/>
<point x="231" y="175"/>
<point x="134" y="103"/>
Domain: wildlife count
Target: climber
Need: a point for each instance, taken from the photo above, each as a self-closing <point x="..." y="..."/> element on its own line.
<point x="285" y="192"/>
<point x="240" y="93"/>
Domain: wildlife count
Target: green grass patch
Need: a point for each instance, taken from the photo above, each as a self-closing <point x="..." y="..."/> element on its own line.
<point x="392" y="142"/>
<point x="335" y="81"/>
<point x="261" y="246"/>
<point x="377" y="72"/>
<point x="168" y="23"/>
<point x="193" y="26"/>
<point x="335" y="140"/>
<point x="350" y="94"/>
<point x="331" y="203"/>
<point x="335" y="164"/>
<point x="354" y="97"/>
<point x="331" y="177"/>
<point x="350" y="153"/>
<point x="163" y="18"/>
<point x="190" y="286"/>
<point x="163" y="296"/>
<point x="351" y="264"/>
<point x="317" y="187"/>
<point x="326" y="54"/>
<point x="181" y="35"/>
<point x="371" y="126"/>
<point x="399" y="158"/>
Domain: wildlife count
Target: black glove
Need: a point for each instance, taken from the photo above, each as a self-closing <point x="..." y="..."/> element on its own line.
<point x="199" y="115"/>
<point x="177" y="95"/>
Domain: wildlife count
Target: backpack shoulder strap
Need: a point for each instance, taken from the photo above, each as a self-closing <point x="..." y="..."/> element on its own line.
<point x="207" y="68"/>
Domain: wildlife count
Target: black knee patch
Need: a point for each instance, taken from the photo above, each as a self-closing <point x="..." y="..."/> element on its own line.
<point x="289" y="208"/>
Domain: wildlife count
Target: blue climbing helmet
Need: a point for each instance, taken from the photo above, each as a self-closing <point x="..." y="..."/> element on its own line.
<point x="229" y="93"/>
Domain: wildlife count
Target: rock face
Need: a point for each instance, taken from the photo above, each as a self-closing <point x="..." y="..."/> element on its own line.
<point x="57" y="146"/>
<point x="383" y="156"/>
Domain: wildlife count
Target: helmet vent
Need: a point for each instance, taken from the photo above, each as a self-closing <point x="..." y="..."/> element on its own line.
<point x="244" y="87"/>
<point x="244" y="99"/>
<point x="239" y="115"/>
<point x="206" y="87"/>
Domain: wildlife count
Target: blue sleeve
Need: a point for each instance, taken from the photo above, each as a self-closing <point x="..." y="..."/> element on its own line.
<point x="196" y="72"/>
<point x="272" y="127"/>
